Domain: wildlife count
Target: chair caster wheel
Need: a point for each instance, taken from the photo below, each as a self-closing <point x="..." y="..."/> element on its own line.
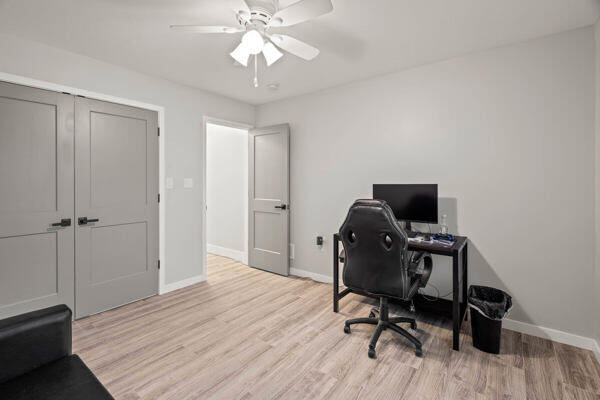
<point x="413" y="326"/>
<point x="372" y="353"/>
<point x="346" y="329"/>
<point x="371" y="314"/>
<point x="419" y="353"/>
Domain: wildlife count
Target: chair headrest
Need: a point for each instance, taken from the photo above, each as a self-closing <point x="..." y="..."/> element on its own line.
<point x="369" y="203"/>
<point x="371" y="208"/>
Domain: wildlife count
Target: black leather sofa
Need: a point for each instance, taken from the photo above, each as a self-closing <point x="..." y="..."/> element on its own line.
<point x="36" y="360"/>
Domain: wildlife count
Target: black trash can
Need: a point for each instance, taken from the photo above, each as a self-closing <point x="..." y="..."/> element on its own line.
<point x="488" y="307"/>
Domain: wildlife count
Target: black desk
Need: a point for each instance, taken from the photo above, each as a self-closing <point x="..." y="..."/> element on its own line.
<point x="458" y="252"/>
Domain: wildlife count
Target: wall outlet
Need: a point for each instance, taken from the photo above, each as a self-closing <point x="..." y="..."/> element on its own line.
<point x="188" y="183"/>
<point x="169" y="183"/>
<point x="292" y="249"/>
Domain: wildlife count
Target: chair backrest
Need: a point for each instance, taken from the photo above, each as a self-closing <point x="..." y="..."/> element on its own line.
<point x="376" y="251"/>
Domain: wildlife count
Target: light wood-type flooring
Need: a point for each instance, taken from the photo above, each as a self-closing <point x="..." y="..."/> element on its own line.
<point x="249" y="334"/>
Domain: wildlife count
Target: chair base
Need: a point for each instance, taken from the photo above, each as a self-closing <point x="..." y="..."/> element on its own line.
<point x="383" y="322"/>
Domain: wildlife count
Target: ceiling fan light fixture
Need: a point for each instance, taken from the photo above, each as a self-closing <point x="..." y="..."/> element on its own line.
<point x="241" y="54"/>
<point x="271" y="53"/>
<point x="255" y="18"/>
<point x="253" y="41"/>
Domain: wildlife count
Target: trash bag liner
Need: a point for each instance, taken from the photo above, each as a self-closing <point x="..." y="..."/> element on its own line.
<point x="493" y="303"/>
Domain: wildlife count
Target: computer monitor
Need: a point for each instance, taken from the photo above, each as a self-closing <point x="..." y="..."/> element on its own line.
<point x="410" y="202"/>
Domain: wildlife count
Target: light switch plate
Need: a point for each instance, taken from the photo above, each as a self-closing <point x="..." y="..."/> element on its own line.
<point x="188" y="183"/>
<point x="169" y="183"/>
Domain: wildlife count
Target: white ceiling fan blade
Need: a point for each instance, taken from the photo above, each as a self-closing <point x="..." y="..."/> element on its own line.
<point x="241" y="8"/>
<point x="236" y="5"/>
<point x="244" y="5"/>
<point x="241" y="54"/>
<point x="207" y="29"/>
<point x="295" y="46"/>
<point x="301" y="11"/>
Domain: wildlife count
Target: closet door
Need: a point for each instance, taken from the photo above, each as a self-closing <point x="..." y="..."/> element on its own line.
<point x="36" y="194"/>
<point x="116" y="205"/>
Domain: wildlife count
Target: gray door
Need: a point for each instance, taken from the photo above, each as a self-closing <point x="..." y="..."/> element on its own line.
<point x="36" y="191"/>
<point x="116" y="189"/>
<point x="268" y="207"/>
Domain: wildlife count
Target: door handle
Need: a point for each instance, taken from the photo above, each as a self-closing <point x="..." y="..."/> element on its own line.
<point x="85" y="220"/>
<point x="63" y="222"/>
<point x="283" y="206"/>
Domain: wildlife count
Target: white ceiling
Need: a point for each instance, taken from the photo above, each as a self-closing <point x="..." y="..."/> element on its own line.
<point x="359" y="39"/>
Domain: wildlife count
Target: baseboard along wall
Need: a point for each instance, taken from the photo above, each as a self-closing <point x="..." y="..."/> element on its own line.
<point x="513" y="325"/>
<point x="237" y="255"/>
<point x="169" y="287"/>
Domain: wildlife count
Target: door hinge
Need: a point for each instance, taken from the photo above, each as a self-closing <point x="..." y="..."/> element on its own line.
<point x="158" y="129"/>
<point x="158" y="264"/>
<point x="159" y="197"/>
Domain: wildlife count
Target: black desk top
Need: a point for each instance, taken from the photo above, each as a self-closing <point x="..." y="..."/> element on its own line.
<point x="434" y="248"/>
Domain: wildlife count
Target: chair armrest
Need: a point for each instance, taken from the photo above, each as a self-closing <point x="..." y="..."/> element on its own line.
<point x="30" y="340"/>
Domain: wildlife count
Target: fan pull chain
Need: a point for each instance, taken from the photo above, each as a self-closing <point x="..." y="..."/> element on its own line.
<point x="256" y="70"/>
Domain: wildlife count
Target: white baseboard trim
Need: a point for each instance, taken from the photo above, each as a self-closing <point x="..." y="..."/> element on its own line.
<point x="550" y="333"/>
<point x="312" y="275"/>
<point x="169" y="287"/>
<point x="522" y="327"/>
<point x="225" y="252"/>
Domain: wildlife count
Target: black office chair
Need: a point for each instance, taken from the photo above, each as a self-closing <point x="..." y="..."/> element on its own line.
<point x="377" y="263"/>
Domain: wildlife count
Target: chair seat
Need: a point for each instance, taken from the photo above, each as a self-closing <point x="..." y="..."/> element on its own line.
<point x="67" y="378"/>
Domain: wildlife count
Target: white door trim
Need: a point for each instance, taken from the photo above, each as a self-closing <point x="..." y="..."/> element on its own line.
<point x="25" y="81"/>
<point x="230" y="124"/>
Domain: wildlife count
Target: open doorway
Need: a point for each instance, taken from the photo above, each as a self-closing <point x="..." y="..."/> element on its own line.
<point x="226" y="193"/>
<point x="246" y="194"/>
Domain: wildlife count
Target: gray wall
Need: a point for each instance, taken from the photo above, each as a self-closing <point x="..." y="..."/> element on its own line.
<point x="184" y="111"/>
<point x="597" y="31"/>
<point x="226" y="187"/>
<point x="509" y="136"/>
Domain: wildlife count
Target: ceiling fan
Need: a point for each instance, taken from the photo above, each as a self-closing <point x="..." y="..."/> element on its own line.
<point x="255" y="18"/>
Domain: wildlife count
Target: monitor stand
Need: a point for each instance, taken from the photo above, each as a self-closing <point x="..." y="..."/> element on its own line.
<point x="407" y="225"/>
<point x="413" y="234"/>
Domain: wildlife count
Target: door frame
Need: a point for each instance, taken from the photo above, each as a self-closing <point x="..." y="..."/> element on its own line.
<point x="25" y="81"/>
<point x="229" y="124"/>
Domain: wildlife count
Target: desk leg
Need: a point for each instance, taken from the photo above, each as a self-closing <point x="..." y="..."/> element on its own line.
<point x="465" y="279"/>
<point x="455" y="303"/>
<point x="336" y="271"/>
